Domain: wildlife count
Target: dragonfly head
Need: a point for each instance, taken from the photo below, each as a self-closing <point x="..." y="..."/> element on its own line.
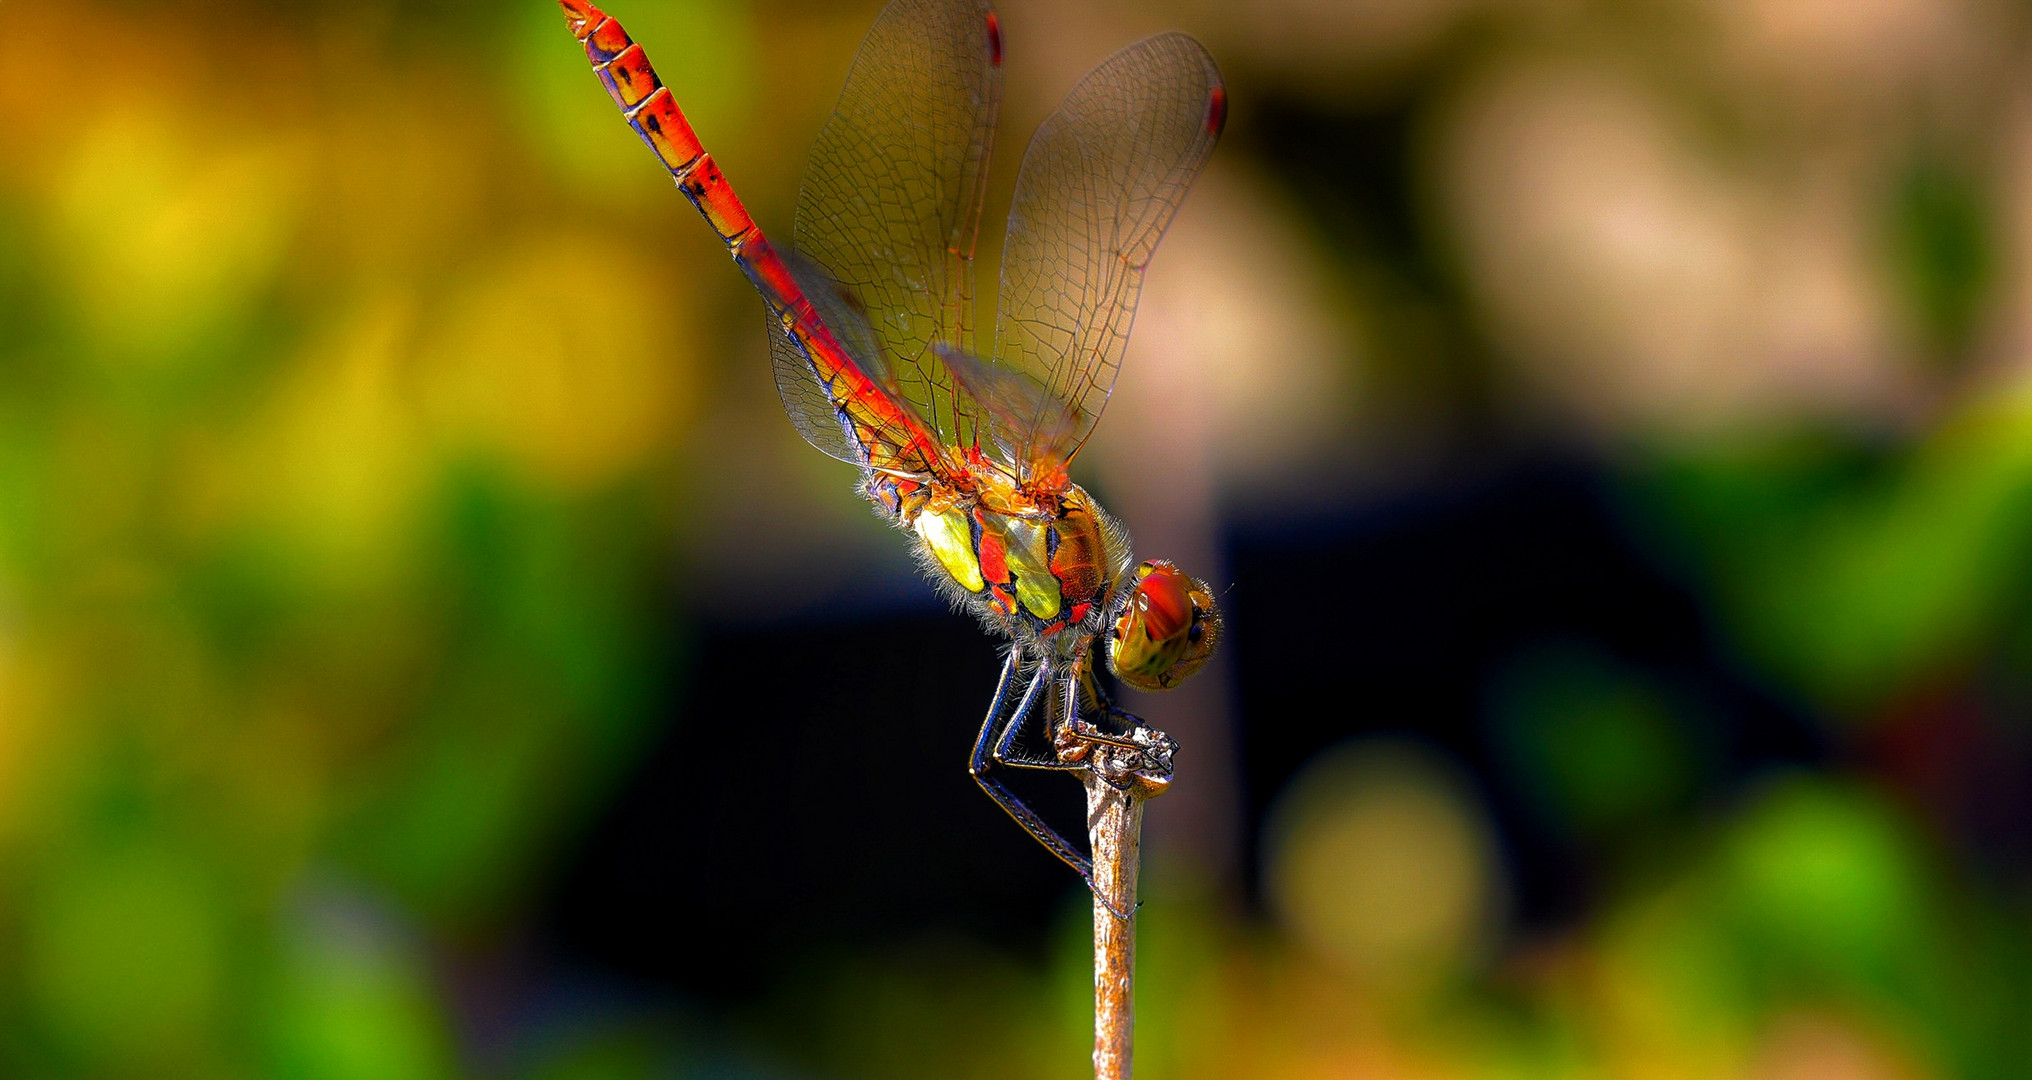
<point x="1166" y="628"/>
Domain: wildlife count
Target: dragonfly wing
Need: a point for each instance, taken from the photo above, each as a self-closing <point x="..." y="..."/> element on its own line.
<point x="799" y="381"/>
<point x="804" y="398"/>
<point x="891" y="201"/>
<point x="1100" y="182"/>
<point x="851" y="411"/>
<point x="1012" y="402"/>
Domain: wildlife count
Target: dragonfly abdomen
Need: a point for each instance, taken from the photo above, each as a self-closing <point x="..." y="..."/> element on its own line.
<point x="884" y="432"/>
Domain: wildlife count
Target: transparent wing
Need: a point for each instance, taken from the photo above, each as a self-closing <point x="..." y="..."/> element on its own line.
<point x="805" y="400"/>
<point x="1011" y="401"/>
<point x="800" y="383"/>
<point x="1100" y="183"/>
<point x="891" y="202"/>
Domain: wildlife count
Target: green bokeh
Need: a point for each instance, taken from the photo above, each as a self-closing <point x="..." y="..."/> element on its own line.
<point x="1943" y="250"/>
<point x="1824" y="880"/>
<point x="1600" y="746"/>
<point x="127" y="957"/>
<point x="351" y="998"/>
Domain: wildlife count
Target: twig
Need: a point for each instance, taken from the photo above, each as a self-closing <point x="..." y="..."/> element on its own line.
<point x="1118" y="781"/>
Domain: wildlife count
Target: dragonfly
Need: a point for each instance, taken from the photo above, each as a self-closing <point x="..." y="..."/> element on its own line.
<point x="872" y="340"/>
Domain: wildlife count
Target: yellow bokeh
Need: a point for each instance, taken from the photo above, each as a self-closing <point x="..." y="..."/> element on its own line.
<point x="563" y="355"/>
<point x="1381" y="863"/>
<point x="166" y="238"/>
<point x="335" y="458"/>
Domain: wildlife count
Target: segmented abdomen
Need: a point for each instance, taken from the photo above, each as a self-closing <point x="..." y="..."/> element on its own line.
<point x="652" y="111"/>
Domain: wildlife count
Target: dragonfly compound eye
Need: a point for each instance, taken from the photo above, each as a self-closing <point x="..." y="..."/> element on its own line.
<point x="1166" y="628"/>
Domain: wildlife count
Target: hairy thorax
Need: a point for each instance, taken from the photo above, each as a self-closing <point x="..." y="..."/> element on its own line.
<point x="1032" y="566"/>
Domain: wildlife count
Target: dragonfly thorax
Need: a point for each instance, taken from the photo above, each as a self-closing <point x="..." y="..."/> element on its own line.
<point x="1032" y="567"/>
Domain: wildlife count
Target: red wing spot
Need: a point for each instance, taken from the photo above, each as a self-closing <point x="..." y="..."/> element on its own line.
<point x="994" y="40"/>
<point x="1217" y="111"/>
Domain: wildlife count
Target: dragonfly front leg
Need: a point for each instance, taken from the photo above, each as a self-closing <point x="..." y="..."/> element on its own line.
<point x="1140" y="758"/>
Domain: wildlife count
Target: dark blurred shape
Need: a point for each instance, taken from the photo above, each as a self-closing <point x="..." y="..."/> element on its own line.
<point x="810" y="798"/>
<point x="1400" y="618"/>
<point x="812" y="789"/>
<point x="1602" y="750"/>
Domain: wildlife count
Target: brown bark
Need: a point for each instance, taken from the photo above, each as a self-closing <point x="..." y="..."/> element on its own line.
<point x="1118" y="781"/>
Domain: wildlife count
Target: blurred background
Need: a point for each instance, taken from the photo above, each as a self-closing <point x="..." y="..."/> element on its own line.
<point x="427" y="651"/>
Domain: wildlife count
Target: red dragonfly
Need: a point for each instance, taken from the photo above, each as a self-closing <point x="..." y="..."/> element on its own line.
<point x="871" y="332"/>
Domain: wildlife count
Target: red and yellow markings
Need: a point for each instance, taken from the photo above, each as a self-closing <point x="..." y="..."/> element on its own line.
<point x="1011" y="562"/>
<point x="1166" y="630"/>
<point x="628" y="76"/>
<point x="580" y="17"/>
<point x="606" y="40"/>
<point x="1030" y="561"/>
<point x="663" y="125"/>
<point x="1076" y="558"/>
<point x="992" y="549"/>
<point x="707" y="188"/>
<point x="891" y="437"/>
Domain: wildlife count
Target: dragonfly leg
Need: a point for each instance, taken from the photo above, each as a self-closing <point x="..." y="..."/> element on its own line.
<point x="1098" y="701"/>
<point x="984" y="761"/>
<point x="1007" y="743"/>
<point x="1140" y="758"/>
<point x="995" y="738"/>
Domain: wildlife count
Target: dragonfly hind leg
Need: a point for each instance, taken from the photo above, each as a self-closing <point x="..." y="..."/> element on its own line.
<point x="1006" y="745"/>
<point x="991" y="746"/>
<point x="996" y="733"/>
